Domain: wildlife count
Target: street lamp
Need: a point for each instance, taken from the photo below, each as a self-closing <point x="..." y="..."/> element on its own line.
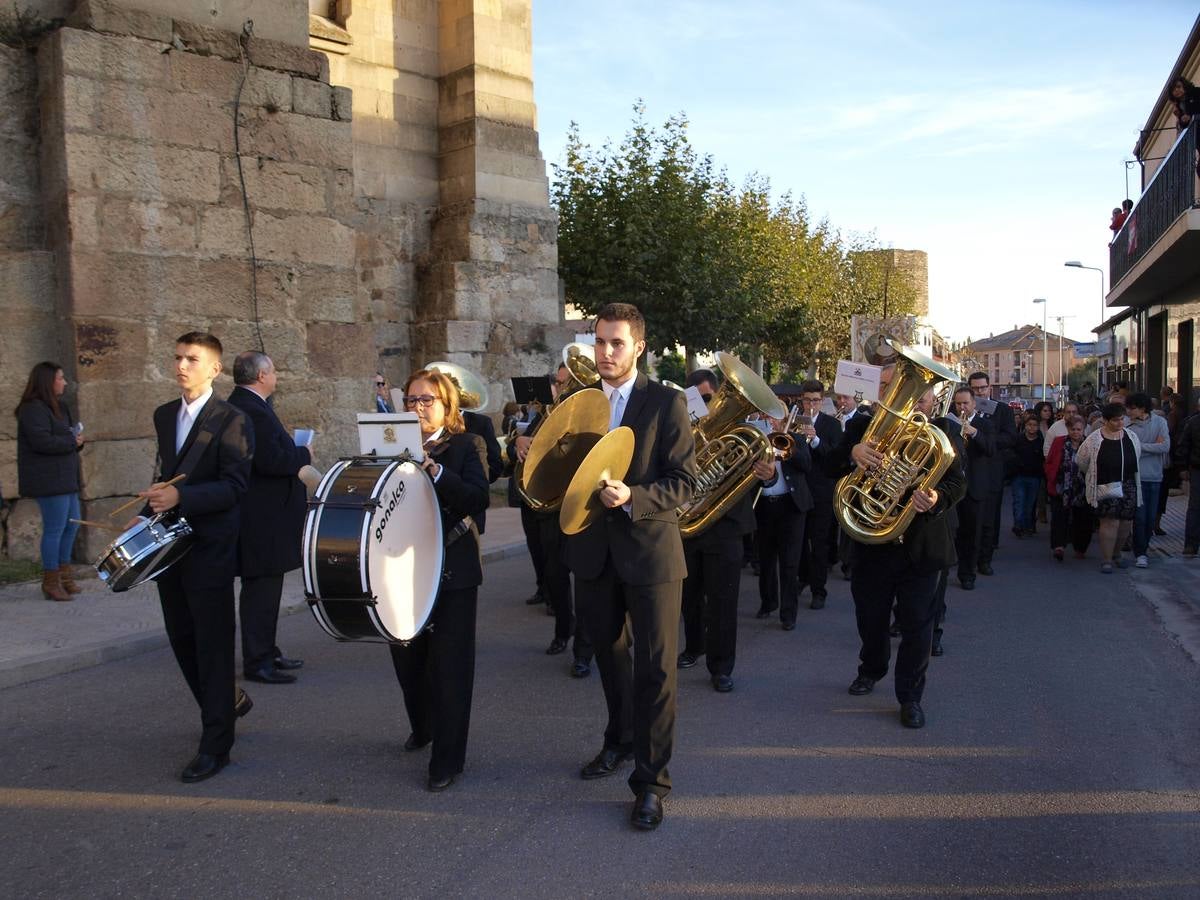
<point x="1045" y="307"/>
<point x="1076" y="264"/>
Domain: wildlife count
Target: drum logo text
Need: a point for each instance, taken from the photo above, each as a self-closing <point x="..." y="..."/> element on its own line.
<point x="389" y="504"/>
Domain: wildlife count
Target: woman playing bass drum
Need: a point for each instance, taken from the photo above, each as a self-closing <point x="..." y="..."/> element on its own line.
<point x="436" y="670"/>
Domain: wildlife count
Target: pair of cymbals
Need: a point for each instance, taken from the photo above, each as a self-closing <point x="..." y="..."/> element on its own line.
<point x="607" y="461"/>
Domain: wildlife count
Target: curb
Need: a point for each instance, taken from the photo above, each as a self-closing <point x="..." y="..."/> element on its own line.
<point x="59" y="662"/>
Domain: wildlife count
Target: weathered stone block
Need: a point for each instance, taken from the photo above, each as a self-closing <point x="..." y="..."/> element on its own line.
<point x="130" y="167"/>
<point x="109" y="348"/>
<point x="288" y="137"/>
<point x="27" y="280"/>
<point x="270" y="90"/>
<point x="117" y="468"/>
<point x="133" y="225"/>
<point x="121" y="410"/>
<point x="324" y="295"/>
<point x="285" y="342"/>
<point x="209" y="75"/>
<point x="313" y="239"/>
<point x="21" y="226"/>
<point x="342" y="104"/>
<point x="338" y="349"/>
<point x="24" y="530"/>
<point x="8" y="468"/>
<point x="101" y="15"/>
<point x="276" y="185"/>
<point x="208" y="41"/>
<point x="311" y="98"/>
<point x="287" y="58"/>
<point x="105" y="56"/>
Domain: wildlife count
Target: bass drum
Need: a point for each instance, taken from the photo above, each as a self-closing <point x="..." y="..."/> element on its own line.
<point x="373" y="551"/>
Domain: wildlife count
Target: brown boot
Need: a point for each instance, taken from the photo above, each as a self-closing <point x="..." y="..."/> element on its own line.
<point x="52" y="587"/>
<point x="67" y="581"/>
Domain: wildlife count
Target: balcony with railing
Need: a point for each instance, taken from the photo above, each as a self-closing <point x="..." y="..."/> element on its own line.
<point x="1158" y="247"/>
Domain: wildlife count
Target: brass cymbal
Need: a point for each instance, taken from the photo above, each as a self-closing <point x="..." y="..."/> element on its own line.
<point x="562" y="441"/>
<point x="608" y="461"/>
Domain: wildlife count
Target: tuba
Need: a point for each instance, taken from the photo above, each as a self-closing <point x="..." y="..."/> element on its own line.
<point x="727" y="447"/>
<point x="874" y="506"/>
<point x="472" y="393"/>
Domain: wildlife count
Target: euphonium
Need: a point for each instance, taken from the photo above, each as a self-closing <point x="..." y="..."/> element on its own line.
<point x="874" y="506"/>
<point x="784" y="442"/>
<point x="726" y="447"/>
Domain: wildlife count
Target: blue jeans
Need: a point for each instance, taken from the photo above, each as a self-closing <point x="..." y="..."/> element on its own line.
<point x="1024" y="499"/>
<point x="1143" y="518"/>
<point x="58" y="534"/>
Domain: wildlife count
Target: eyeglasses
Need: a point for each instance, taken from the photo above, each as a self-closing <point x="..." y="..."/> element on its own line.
<point x="381" y="384"/>
<point x="424" y="401"/>
<point x="707" y="398"/>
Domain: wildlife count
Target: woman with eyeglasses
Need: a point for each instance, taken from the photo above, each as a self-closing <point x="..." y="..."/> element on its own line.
<point x="436" y="671"/>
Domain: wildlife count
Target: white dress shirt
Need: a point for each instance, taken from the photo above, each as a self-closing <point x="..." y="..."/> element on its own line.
<point x="187" y="418"/>
<point x="617" y="405"/>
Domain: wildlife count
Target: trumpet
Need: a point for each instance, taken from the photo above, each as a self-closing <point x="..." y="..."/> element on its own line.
<point x="784" y="442"/>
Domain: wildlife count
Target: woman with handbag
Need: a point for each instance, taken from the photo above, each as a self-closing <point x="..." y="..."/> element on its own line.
<point x="1109" y="460"/>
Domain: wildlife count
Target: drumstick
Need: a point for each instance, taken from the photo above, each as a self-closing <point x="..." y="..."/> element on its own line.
<point x="136" y="500"/>
<point x="105" y="525"/>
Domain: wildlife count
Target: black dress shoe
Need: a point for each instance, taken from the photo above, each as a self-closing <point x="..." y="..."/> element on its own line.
<point x="722" y="684"/>
<point x="242" y="704"/>
<point x="818" y="602"/>
<point x="269" y="675"/>
<point x="1161" y="532"/>
<point x="764" y="612"/>
<point x="937" y="646"/>
<point x="647" y="812"/>
<point x="202" y="766"/>
<point x="686" y="660"/>
<point x="862" y="685"/>
<point x="535" y="599"/>
<point x="438" y="783"/>
<point x="605" y="763"/>
<point x="911" y="715"/>
<point x="788" y="626"/>
<point x="984" y="569"/>
<point x="416" y="743"/>
<point x="580" y="669"/>
<point x="557" y="646"/>
<point x="968" y="584"/>
<point x="286" y="664"/>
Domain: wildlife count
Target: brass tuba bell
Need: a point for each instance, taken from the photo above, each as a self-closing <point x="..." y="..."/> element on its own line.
<point x="472" y="393"/>
<point x="874" y="506"/>
<point x="727" y="447"/>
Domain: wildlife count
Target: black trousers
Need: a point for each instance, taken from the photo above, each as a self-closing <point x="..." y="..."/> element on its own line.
<point x="710" y="600"/>
<point x="200" y="624"/>
<point x="939" y="601"/>
<point x="531" y="525"/>
<point x="1074" y="525"/>
<point x="814" y="562"/>
<point x="436" y="672"/>
<point x="966" y="539"/>
<point x="989" y="534"/>
<point x="556" y="585"/>
<point x="780" y="538"/>
<point x="879" y="579"/>
<point x="258" y="608"/>
<point x="637" y="670"/>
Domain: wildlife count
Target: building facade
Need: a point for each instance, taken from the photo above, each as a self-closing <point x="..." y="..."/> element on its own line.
<point x="1154" y="260"/>
<point x="1017" y="361"/>
<point x="355" y="190"/>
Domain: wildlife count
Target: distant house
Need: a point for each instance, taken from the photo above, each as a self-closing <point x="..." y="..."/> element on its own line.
<point x="1013" y="362"/>
<point x="1154" y="260"/>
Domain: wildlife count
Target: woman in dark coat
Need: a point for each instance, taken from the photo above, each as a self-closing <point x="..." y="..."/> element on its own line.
<point x="48" y="445"/>
<point x="436" y="671"/>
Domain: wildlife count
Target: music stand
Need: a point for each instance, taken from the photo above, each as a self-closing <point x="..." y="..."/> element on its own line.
<point x="531" y="389"/>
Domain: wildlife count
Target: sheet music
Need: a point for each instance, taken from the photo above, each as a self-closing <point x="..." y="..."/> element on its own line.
<point x="986" y="405"/>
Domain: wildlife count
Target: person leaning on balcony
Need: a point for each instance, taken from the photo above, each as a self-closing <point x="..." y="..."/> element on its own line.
<point x="48" y="443"/>
<point x="1186" y="97"/>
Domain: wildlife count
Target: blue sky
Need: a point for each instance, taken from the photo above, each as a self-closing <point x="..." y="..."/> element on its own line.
<point x="989" y="135"/>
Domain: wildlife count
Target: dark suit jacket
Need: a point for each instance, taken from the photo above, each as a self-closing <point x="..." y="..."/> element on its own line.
<point x="978" y="459"/>
<point x="274" y="506"/>
<point x="928" y="542"/>
<point x="481" y="425"/>
<point x="829" y="430"/>
<point x="796" y="470"/>
<point x="462" y="490"/>
<point x="645" y="543"/>
<point x="210" y="496"/>
<point x="1004" y="426"/>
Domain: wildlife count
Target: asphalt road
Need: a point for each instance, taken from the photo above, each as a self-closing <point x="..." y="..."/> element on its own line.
<point x="1060" y="759"/>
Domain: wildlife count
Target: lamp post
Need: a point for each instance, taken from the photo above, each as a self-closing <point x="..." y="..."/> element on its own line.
<point x="1060" y="357"/>
<point x="1076" y="264"/>
<point x="1045" y="307"/>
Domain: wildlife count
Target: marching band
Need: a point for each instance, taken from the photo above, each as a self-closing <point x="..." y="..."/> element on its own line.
<point x="635" y="509"/>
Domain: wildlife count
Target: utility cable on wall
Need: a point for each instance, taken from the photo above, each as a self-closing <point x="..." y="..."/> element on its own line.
<point x="243" y="39"/>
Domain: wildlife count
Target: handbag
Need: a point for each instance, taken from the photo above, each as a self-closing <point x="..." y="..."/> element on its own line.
<point x="1111" y="490"/>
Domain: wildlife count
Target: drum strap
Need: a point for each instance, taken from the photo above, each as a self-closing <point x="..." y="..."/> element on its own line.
<point x="458" y="531"/>
<point x="212" y="424"/>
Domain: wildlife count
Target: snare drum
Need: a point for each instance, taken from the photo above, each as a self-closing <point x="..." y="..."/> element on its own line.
<point x="373" y="550"/>
<point x="147" y="549"/>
